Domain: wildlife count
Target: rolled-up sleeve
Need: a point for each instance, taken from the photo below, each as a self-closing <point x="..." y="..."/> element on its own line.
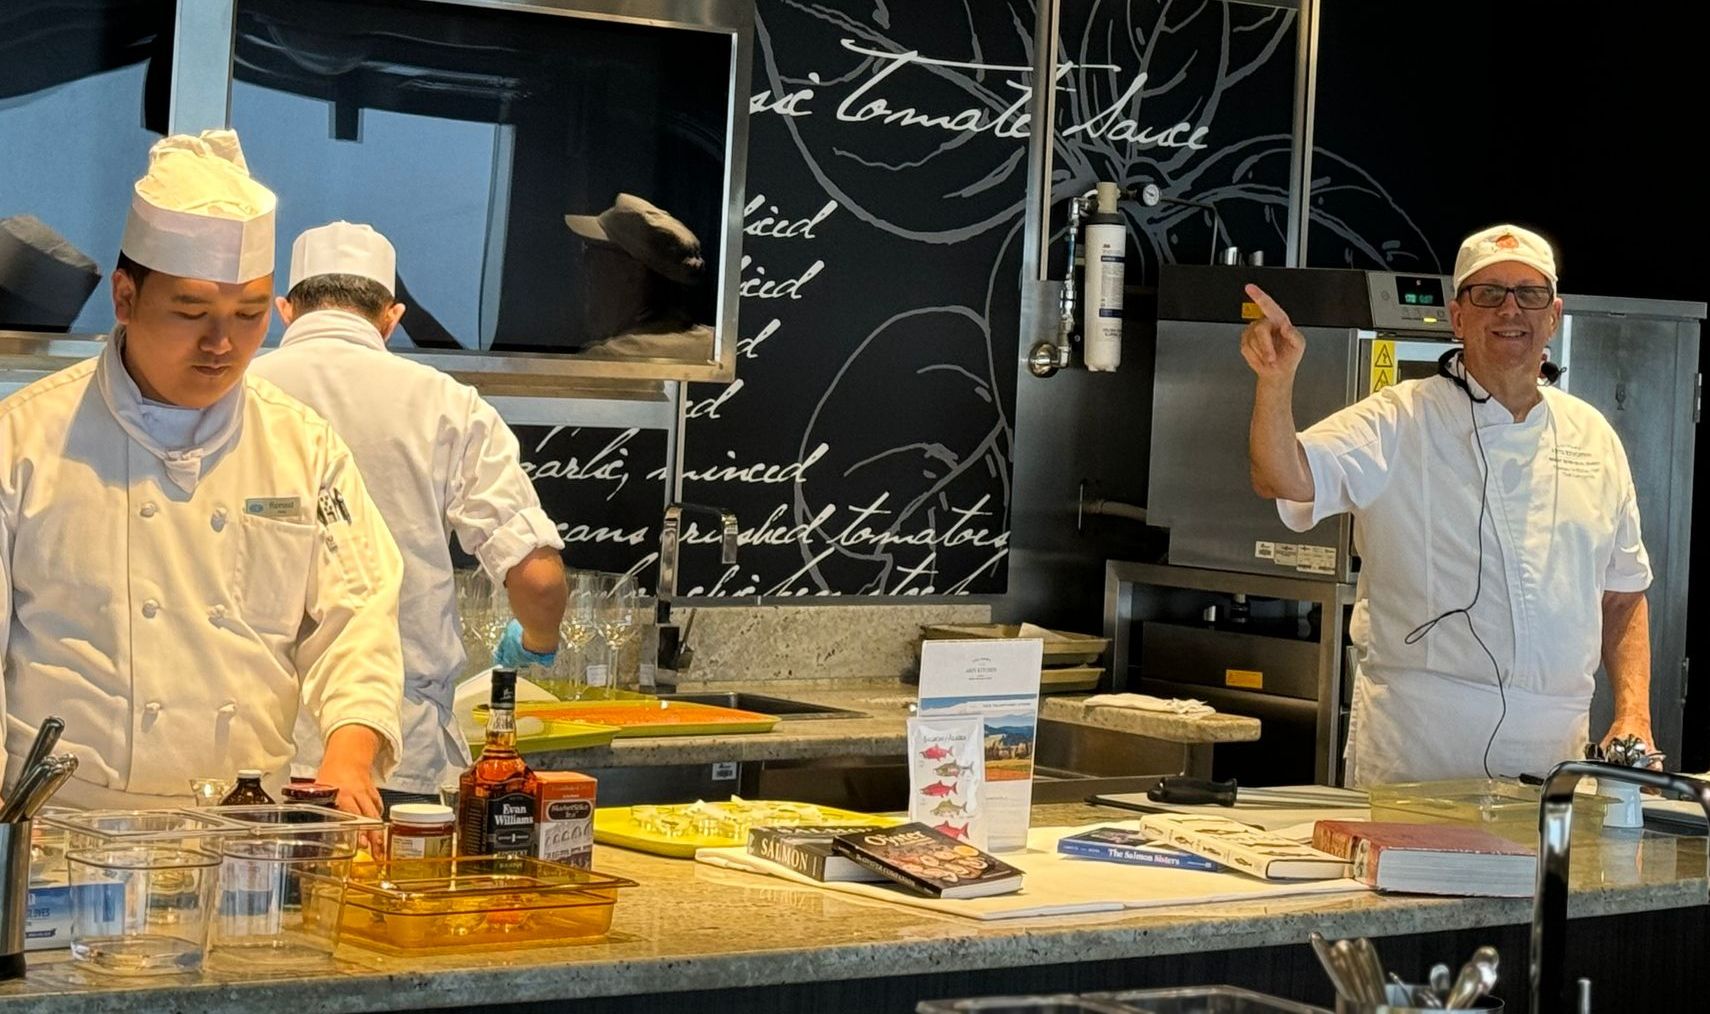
<point x="1350" y="455"/>
<point x="492" y="505"/>
<point x="1629" y="567"/>
<point x="352" y="662"/>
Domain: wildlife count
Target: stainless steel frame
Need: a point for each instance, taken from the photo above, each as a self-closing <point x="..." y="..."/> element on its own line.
<point x="201" y="99"/>
<point x="1120" y="615"/>
<point x="1300" y="153"/>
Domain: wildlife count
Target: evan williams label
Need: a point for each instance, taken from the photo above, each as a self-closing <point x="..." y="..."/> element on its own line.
<point x="510" y="824"/>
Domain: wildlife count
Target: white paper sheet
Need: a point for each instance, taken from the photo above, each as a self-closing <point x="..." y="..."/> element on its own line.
<point x="1057" y="884"/>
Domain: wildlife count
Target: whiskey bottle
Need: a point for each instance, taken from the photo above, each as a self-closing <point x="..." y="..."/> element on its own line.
<point x="496" y="797"/>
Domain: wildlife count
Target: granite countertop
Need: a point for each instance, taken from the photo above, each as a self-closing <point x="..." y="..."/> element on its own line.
<point x="880" y="730"/>
<point x="693" y="927"/>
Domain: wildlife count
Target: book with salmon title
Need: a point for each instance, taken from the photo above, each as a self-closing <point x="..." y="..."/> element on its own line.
<point x="929" y="862"/>
<point x="807" y="850"/>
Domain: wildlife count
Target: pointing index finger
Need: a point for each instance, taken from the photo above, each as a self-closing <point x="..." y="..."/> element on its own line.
<point x="1271" y="309"/>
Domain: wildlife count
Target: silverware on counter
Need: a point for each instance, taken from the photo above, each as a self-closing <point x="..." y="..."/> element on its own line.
<point x="1440" y="979"/>
<point x="47" y="737"/>
<point x="1359" y="978"/>
<point x="1478" y="977"/>
<point x="1332" y="968"/>
<point x="40" y="776"/>
<point x="60" y="769"/>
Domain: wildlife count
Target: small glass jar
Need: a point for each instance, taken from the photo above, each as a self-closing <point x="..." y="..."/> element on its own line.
<point x="248" y="791"/>
<point x="312" y="794"/>
<point x="420" y="831"/>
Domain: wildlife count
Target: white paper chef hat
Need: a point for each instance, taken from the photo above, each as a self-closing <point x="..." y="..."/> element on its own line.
<point x="344" y="248"/>
<point x="1504" y="243"/>
<point x="198" y="213"/>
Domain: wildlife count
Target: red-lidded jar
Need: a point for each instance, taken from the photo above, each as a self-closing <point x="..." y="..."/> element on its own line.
<point x="420" y="831"/>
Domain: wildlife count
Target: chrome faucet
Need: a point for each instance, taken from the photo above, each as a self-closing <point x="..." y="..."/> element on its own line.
<point x="1550" y="987"/>
<point x="673" y="657"/>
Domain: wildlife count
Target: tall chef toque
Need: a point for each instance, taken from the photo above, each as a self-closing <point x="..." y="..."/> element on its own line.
<point x="197" y="213"/>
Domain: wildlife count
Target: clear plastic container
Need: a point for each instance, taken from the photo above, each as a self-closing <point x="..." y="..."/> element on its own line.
<point x="192" y="830"/>
<point x="1505" y="808"/>
<point x="413" y="906"/>
<point x="1203" y="1000"/>
<point x="1062" y="1004"/>
<point x="299" y="822"/>
<point x="141" y="909"/>
<point x="265" y="917"/>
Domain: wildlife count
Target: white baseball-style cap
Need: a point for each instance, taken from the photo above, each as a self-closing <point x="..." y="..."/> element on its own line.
<point x="1504" y="243"/>
<point x="198" y="213"/>
<point x="344" y="248"/>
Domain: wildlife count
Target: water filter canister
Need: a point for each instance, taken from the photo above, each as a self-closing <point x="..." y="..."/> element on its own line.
<point x="1106" y="243"/>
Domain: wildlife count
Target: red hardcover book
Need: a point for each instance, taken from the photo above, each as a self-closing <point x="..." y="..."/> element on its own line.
<point x="1430" y="858"/>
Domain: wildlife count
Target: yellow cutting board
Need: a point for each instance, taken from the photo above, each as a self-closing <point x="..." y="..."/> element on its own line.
<point x="613" y="825"/>
<point x="538" y="735"/>
<point x="647" y="717"/>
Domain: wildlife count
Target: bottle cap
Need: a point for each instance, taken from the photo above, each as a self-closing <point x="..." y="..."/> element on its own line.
<point x="504" y="686"/>
<point x="420" y="814"/>
<point x="254" y="773"/>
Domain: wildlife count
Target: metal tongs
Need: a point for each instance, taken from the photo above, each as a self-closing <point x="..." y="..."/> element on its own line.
<point x="40" y="775"/>
<point x="1625" y="751"/>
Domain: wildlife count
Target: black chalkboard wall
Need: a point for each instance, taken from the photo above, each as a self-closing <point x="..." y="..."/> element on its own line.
<point x="866" y="442"/>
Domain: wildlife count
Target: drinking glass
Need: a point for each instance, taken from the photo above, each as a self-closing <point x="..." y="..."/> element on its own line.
<point x="618" y="616"/>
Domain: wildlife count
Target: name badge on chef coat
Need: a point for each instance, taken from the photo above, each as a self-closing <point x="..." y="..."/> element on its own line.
<point x="272" y="506"/>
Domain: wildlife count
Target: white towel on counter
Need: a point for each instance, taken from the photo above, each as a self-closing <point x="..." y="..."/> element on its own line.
<point x="1057" y="884"/>
<point x="1184" y="707"/>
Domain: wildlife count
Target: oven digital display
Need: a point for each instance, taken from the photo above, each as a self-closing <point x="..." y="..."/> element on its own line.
<point x="1419" y="290"/>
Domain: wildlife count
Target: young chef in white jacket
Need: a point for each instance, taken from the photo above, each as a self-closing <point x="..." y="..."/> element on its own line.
<point x="441" y="462"/>
<point x="187" y="553"/>
<point x="1497" y="529"/>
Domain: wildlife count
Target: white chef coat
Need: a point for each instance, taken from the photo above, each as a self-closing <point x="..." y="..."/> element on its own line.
<point x="1562" y="528"/>
<point x="175" y="604"/>
<point x="439" y="461"/>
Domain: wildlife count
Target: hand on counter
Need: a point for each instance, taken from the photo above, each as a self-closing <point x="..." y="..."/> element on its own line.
<point x="513" y="651"/>
<point x="1631" y="725"/>
<point x="349" y="764"/>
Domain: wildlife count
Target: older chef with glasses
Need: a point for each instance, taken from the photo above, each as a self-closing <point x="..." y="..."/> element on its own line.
<point x="1497" y="527"/>
<point x="187" y="551"/>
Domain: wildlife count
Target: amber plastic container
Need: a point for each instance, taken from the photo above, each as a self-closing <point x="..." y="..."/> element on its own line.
<point x="473" y="902"/>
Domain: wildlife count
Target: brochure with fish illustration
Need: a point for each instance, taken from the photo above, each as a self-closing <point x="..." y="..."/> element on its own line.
<point x="996" y="681"/>
<point x="947" y="774"/>
<point x="929" y="863"/>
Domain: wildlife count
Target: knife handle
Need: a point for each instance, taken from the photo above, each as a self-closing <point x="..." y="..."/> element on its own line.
<point x="1188" y="791"/>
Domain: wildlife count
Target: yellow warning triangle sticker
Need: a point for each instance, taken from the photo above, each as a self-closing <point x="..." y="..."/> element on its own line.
<point x="1385" y="356"/>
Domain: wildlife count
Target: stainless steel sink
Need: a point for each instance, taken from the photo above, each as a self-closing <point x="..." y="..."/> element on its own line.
<point x="763" y="704"/>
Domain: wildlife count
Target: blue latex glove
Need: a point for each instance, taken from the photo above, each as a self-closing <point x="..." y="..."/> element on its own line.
<point x="510" y="654"/>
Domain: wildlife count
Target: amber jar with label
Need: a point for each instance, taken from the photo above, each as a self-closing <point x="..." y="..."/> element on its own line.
<point x="420" y="831"/>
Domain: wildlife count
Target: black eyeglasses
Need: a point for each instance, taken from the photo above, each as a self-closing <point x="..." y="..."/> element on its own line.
<point x="1527" y="297"/>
